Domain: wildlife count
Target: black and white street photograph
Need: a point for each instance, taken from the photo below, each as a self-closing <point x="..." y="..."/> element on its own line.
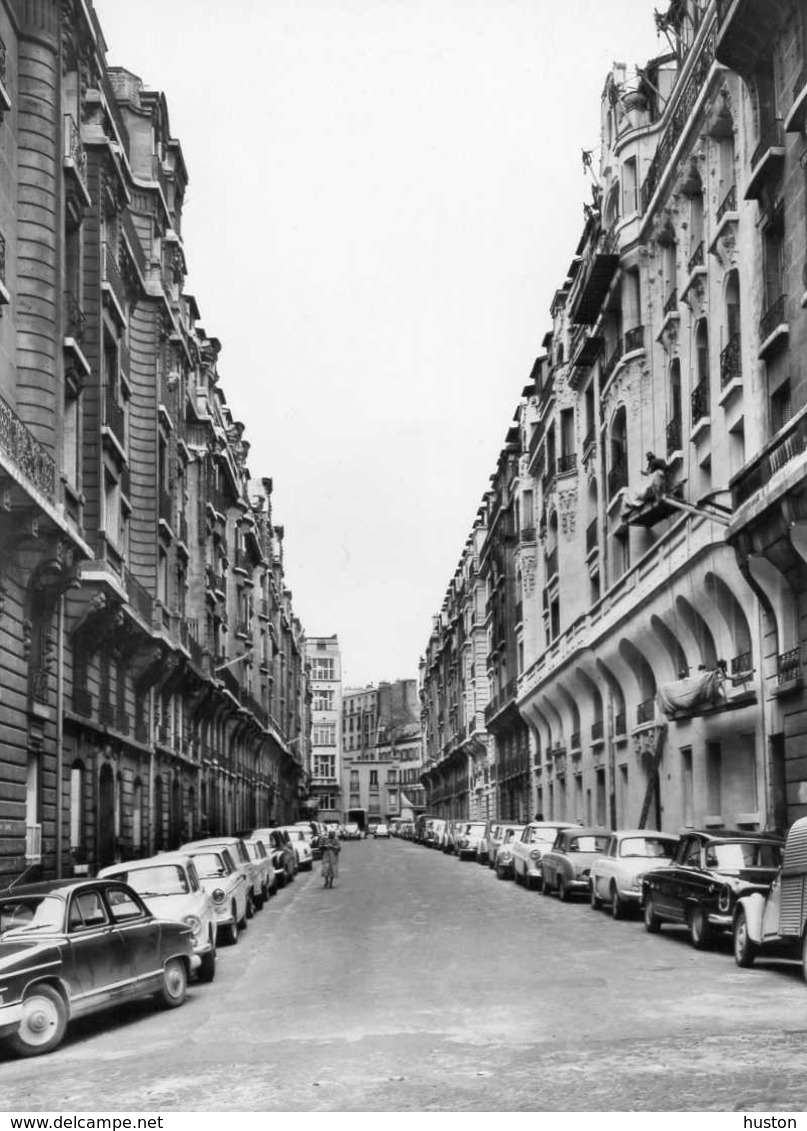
<point x="403" y="558"/>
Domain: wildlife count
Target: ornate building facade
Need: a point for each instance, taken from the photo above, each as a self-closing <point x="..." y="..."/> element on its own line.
<point x="382" y="751"/>
<point x="152" y="683"/>
<point x="658" y="458"/>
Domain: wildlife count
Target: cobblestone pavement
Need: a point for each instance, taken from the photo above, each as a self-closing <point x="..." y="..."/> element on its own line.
<point x="423" y="983"/>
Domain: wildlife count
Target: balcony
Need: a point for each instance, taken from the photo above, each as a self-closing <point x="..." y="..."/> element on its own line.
<point x="773" y="328"/>
<point x="115" y="418"/>
<point x="138" y="596"/>
<point x="788" y="666"/>
<point x="165" y="508"/>
<point x="700" y="403"/>
<point x="527" y="534"/>
<point x="75" y="320"/>
<point x="634" y="339"/>
<point x="242" y="629"/>
<point x="673" y="436"/>
<point x="766" y="160"/>
<point x="501" y="700"/>
<point x="597" y="730"/>
<point x="796" y="119"/>
<point x="671" y="305"/>
<point x="589" y="349"/>
<point x="620" y="723"/>
<point x="567" y="463"/>
<point x="696" y="259"/>
<point x="696" y="269"/>
<point x="598" y="270"/>
<point x="607" y="370"/>
<point x="617" y="476"/>
<point x="679" y="112"/>
<point x="112" y="282"/>
<point x="790" y="444"/>
<point x="742" y="667"/>
<point x="26" y="455"/>
<point x="731" y="363"/>
<point x="74" y="157"/>
<point x="646" y="711"/>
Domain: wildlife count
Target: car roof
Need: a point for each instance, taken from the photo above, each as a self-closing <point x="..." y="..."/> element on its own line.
<point x="733" y="834"/>
<point x="209" y="841"/>
<point x="548" y="825"/>
<point x="622" y="833"/>
<point x="146" y="862"/>
<point x="582" y="830"/>
<point x="50" y="887"/>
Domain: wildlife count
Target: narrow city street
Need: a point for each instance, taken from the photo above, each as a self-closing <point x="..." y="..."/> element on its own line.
<point x="424" y="983"/>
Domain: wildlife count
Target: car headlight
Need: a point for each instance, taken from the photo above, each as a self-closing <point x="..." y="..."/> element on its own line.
<point x="535" y="854"/>
<point x="505" y="857"/>
<point x="724" y="898"/>
<point x="219" y="895"/>
<point x="637" y="883"/>
<point x="195" y="924"/>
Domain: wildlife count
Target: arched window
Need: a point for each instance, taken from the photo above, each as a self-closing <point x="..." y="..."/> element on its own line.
<point x="731" y="355"/>
<point x="618" y="471"/>
<point x="701" y="393"/>
<point x="674" y="429"/>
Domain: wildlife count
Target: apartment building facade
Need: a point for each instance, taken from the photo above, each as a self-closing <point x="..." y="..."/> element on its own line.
<point x="152" y="674"/>
<point x="660" y="455"/>
<point x="324" y="659"/>
<point x="382" y="751"/>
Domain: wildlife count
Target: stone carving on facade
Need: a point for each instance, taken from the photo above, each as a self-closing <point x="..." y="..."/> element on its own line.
<point x="567" y="510"/>
<point x="644" y="743"/>
<point x="528" y="568"/>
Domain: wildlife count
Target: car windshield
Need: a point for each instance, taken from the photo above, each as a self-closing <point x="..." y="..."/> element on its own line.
<point x="474" y="829"/>
<point x="588" y="843"/>
<point x="210" y="865"/>
<point x="512" y="833"/>
<point x="162" y="879"/>
<point x="542" y="836"/>
<point x="744" y="854"/>
<point x="35" y="914"/>
<point x="649" y="846"/>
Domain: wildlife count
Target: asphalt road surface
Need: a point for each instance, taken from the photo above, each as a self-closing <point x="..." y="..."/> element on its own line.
<point x="422" y="983"/>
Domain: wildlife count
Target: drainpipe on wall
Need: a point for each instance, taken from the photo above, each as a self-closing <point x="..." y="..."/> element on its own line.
<point x="59" y="731"/>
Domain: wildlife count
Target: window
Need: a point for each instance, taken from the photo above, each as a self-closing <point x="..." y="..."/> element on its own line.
<point x="323" y="667"/>
<point x="374" y="781"/>
<point x="323" y="700"/>
<point x="324" y="765"/>
<point x="324" y="735"/>
<point x="781" y="408"/>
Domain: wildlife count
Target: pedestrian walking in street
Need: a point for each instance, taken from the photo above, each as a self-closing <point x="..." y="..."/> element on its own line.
<point x="330" y="859"/>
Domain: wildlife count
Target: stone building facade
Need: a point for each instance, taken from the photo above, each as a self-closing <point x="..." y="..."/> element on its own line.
<point x="324" y="659"/>
<point x="660" y="459"/>
<point x="152" y="683"/>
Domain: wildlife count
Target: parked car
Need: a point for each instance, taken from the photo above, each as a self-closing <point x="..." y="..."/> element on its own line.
<point x="483" y="848"/>
<point x="352" y="831"/>
<point x="382" y="831"/>
<point x="566" y="867"/>
<point x="773" y="924"/>
<point x="170" y="888"/>
<point x="253" y="874"/>
<point x="280" y="849"/>
<point x="319" y="834"/>
<point x="70" y="948"/>
<point x="434" y="833"/>
<point x="467" y="838"/>
<point x="707" y="876"/>
<point x="498" y="832"/>
<point x="616" y="876"/>
<point x="448" y="839"/>
<point x="262" y="860"/>
<point x="504" y="853"/>
<point x="301" y="843"/>
<point x="227" y="885"/>
<point x="528" y="850"/>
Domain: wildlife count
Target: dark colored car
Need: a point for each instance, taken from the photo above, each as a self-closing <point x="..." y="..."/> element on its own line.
<point x="706" y="877"/>
<point x="69" y="948"/>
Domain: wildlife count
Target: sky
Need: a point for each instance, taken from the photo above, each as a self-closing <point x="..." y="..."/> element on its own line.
<point x="384" y="196"/>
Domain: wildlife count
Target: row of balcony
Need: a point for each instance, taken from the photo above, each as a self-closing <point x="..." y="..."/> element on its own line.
<point x="26" y="454"/>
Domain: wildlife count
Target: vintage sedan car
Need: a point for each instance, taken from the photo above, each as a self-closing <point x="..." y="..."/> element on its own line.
<point x="504" y="853"/>
<point x="227" y="884"/>
<point x="496" y="837"/>
<point x="381" y="830"/>
<point x="705" y="879"/>
<point x="434" y="832"/>
<point x="260" y="857"/>
<point x="301" y="843"/>
<point x="528" y="850"/>
<point x="282" y="854"/>
<point x="352" y="831"/>
<point x="170" y="888"/>
<point x="242" y="860"/>
<point x="468" y="836"/>
<point x="566" y="867"/>
<point x="69" y="948"/>
<point x="775" y="924"/>
<point x="616" y="876"/>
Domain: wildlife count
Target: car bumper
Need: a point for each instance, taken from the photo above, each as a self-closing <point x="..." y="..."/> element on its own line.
<point x="719" y="920"/>
<point x="223" y="917"/>
<point x="10" y="1017"/>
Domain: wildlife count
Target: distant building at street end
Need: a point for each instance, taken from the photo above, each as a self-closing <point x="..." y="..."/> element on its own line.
<point x="324" y="662"/>
<point x="382" y="751"/>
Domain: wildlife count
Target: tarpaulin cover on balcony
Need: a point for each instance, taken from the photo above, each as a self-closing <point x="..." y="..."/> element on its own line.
<point x="682" y="694"/>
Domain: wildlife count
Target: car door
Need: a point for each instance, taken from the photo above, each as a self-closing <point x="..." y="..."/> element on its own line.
<point x="603" y="867"/>
<point x="98" y="952"/>
<point x="138" y="930"/>
<point x="677" y="887"/>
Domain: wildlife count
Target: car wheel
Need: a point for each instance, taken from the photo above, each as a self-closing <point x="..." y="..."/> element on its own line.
<point x="596" y="902"/>
<point x="528" y="881"/>
<point x="207" y="969"/>
<point x="652" y="924"/>
<point x="745" y="950"/>
<point x="563" y="890"/>
<point x="618" y="907"/>
<point x="175" y="984"/>
<point x="242" y="922"/>
<point x="228" y="932"/>
<point x="699" y="932"/>
<point x="250" y="906"/>
<point x="546" y="887"/>
<point x="499" y="873"/>
<point x="43" y="1022"/>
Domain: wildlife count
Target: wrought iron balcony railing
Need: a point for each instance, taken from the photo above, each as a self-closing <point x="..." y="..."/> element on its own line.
<point x="114" y="416"/>
<point x="617" y="476"/>
<point x="700" y="402"/>
<point x="567" y="462"/>
<point x="597" y="730"/>
<point x="774" y="316"/>
<point x="610" y="365"/>
<point x="75" y="320"/>
<point x="729" y="203"/>
<point x="26" y="453"/>
<point x="646" y="710"/>
<point x="620" y="723"/>
<point x="139" y="597"/>
<point x="696" y="259"/>
<point x="634" y="339"/>
<point x="731" y="367"/>
<point x="110" y="274"/>
<point x="772" y="138"/>
<point x="73" y="147"/>
<point x="788" y="666"/>
<point x="672" y="302"/>
<point x="674" y="435"/>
